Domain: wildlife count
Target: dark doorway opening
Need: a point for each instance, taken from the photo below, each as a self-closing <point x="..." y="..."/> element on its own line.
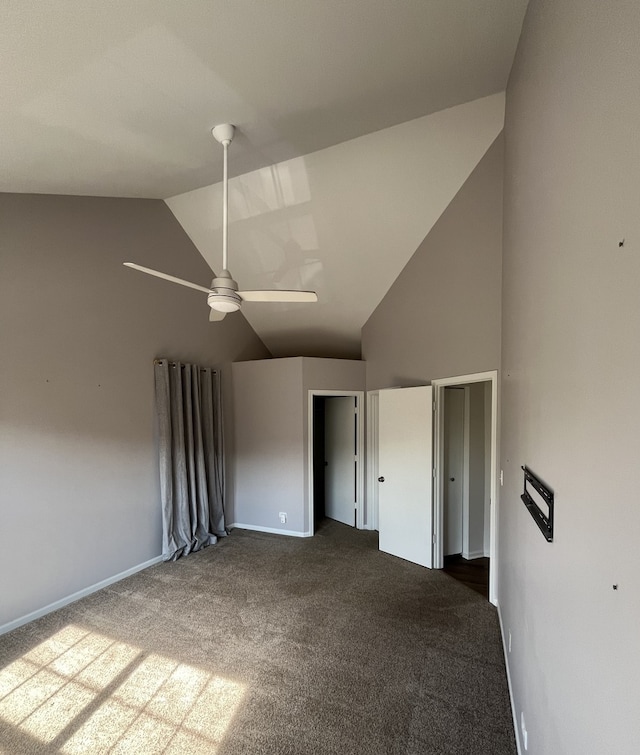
<point x="473" y="573"/>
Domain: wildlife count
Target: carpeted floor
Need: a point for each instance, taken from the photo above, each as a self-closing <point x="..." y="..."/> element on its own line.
<point x="263" y="644"/>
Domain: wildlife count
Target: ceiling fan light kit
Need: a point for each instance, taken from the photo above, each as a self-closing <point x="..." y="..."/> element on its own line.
<point x="223" y="296"/>
<point x="223" y="303"/>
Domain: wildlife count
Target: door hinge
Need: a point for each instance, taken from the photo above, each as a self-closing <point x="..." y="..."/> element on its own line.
<point x="433" y="539"/>
<point x="433" y="473"/>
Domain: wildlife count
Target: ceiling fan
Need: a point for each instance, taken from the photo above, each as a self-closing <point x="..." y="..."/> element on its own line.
<point x="224" y="296"/>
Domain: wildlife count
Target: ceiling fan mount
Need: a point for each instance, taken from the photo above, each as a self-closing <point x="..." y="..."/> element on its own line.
<point x="223" y="295"/>
<point x="223" y="133"/>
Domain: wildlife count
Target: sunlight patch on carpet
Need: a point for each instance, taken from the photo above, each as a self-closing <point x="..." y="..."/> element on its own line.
<point x="85" y="692"/>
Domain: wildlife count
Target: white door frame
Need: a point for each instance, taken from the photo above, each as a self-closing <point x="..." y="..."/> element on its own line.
<point x="372" y="460"/>
<point x="358" y="458"/>
<point x="438" y="460"/>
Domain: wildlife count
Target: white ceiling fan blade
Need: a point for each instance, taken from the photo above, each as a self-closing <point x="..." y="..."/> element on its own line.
<point x="166" y="277"/>
<point x="279" y="296"/>
<point x="215" y="316"/>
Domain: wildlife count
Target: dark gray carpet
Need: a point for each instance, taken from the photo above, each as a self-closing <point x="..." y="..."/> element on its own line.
<point x="263" y="644"/>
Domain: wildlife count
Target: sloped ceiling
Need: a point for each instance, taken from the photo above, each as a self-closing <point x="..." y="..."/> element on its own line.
<point x="342" y="221"/>
<point x="117" y="98"/>
<point x="352" y="128"/>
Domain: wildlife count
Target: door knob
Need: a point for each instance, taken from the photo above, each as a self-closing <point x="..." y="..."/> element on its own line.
<point x="380" y="479"/>
<point x="452" y="479"/>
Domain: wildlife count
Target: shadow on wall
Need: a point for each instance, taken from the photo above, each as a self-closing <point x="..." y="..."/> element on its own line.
<point x="408" y="382"/>
<point x="318" y="342"/>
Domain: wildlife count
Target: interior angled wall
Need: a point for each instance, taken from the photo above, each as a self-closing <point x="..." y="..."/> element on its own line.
<point x="271" y="410"/>
<point x="79" y="499"/>
<point x="571" y="358"/>
<point x="269" y="461"/>
<point x="441" y="317"/>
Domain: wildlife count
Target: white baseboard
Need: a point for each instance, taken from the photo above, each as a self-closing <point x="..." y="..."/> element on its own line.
<point x="473" y="554"/>
<point x="76" y="596"/>
<point x="271" y="530"/>
<point x="514" y="713"/>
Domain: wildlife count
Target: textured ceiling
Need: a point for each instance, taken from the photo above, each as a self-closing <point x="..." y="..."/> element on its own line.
<point x="117" y="98"/>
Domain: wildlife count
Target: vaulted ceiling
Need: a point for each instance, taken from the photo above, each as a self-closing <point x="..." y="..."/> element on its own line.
<point x="343" y="156"/>
<point x="342" y="221"/>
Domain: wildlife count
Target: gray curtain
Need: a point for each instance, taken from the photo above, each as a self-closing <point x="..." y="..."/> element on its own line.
<point x="189" y="411"/>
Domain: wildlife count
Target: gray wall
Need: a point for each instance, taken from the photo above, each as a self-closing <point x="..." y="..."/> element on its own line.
<point x="441" y="317"/>
<point x="79" y="494"/>
<point x="269" y="464"/>
<point x="271" y="424"/>
<point x="571" y="358"/>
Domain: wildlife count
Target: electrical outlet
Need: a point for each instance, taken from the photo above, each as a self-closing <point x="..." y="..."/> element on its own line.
<point x="509" y="640"/>
<point x="283" y="517"/>
<point x="523" y="729"/>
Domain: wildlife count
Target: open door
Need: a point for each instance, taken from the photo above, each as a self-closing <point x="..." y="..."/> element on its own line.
<point x="454" y="471"/>
<point x="405" y="452"/>
<point x="340" y="459"/>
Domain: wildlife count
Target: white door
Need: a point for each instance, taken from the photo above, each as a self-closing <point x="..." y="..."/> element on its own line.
<point x="340" y="459"/>
<point x="453" y="469"/>
<point x="405" y="463"/>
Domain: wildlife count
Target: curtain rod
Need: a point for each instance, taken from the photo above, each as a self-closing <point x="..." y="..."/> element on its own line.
<point x="175" y="364"/>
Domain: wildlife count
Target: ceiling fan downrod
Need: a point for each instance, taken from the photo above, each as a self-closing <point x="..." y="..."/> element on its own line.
<point x="224" y="296"/>
<point x="224" y="135"/>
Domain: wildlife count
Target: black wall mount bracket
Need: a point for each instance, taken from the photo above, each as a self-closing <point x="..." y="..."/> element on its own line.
<point x="542" y="514"/>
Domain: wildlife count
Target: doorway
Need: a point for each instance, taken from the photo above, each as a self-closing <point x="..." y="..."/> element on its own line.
<point x="465" y="490"/>
<point x="336" y="477"/>
<point x="455" y="473"/>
